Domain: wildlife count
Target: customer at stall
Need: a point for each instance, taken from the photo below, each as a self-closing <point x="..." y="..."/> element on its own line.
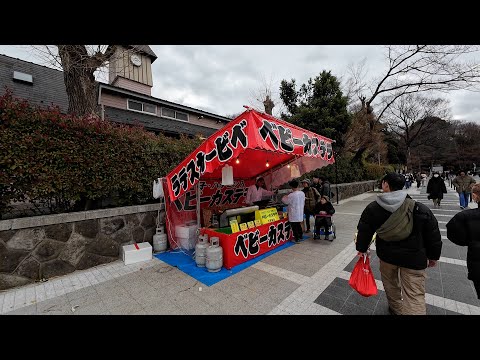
<point x="312" y="197"/>
<point x="258" y="192"/>
<point x="296" y="202"/>
<point x="323" y="218"/>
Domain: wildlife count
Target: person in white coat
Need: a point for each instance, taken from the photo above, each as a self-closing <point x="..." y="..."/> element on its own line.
<point x="296" y="203"/>
<point x="257" y="192"/>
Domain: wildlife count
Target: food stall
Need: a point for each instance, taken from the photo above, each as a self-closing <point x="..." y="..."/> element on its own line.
<point x="205" y="194"/>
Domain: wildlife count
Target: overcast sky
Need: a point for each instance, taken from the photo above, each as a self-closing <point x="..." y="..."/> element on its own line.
<point x="222" y="78"/>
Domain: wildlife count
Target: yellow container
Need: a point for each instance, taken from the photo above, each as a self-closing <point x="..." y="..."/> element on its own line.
<point x="267" y="215"/>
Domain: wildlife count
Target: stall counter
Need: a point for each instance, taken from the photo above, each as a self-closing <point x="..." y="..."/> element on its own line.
<point x="248" y="244"/>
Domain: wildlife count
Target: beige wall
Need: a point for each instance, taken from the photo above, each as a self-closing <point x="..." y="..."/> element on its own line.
<point x="114" y="101"/>
<point x="193" y="119"/>
<point x="120" y="65"/>
<point x="132" y="85"/>
<point x="120" y="102"/>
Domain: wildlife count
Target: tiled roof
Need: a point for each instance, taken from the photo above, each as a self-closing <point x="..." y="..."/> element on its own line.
<point x="146" y="49"/>
<point x="155" y="123"/>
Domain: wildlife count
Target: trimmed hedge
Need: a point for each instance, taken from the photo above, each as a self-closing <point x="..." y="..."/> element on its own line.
<point x="65" y="163"/>
<point x="349" y="171"/>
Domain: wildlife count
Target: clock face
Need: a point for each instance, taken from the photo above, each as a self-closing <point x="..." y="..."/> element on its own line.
<point x="135" y="59"/>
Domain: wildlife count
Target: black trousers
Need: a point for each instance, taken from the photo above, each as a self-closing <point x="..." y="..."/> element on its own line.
<point x="321" y="221"/>
<point x="476" y="283"/>
<point x="307" y="218"/>
<point x="297" y="230"/>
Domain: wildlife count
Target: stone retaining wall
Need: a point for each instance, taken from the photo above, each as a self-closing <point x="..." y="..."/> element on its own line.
<point x="52" y="245"/>
<point x="345" y="191"/>
<point x="348" y="190"/>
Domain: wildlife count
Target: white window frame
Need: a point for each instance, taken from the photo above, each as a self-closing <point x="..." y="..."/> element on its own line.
<point x="148" y="112"/>
<point x="181" y="112"/>
<point x="143" y="105"/>
<point x="24" y="77"/>
<point x="175" y="111"/>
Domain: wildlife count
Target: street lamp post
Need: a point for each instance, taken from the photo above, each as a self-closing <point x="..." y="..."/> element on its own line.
<point x="336" y="169"/>
<point x="336" y="174"/>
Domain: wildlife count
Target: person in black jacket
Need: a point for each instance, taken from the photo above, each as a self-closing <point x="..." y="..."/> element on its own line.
<point x="323" y="216"/>
<point x="436" y="188"/>
<point x="402" y="262"/>
<point x="325" y="189"/>
<point x="464" y="230"/>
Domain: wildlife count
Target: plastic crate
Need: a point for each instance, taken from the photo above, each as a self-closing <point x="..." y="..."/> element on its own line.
<point x="224" y="230"/>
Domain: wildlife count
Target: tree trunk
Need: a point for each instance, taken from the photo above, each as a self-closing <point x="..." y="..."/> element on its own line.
<point x="79" y="80"/>
<point x="359" y="154"/>
<point x="408" y="159"/>
<point x="269" y="105"/>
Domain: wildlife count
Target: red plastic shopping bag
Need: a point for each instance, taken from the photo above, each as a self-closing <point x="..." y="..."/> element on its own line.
<point x="362" y="278"/>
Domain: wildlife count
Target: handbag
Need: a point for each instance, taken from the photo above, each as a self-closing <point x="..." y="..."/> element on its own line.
<point x="362" y="279"/>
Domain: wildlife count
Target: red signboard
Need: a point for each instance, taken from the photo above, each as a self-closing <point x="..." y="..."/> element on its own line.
<point x="248" y="244"/>
<point x="212" y="194"/>
<point x="254" y="143"/>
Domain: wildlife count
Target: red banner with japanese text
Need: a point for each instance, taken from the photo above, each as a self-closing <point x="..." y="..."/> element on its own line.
<point x="253" y="144"/>
<point x="248" y="244"/>
<point x="213" y="196"/>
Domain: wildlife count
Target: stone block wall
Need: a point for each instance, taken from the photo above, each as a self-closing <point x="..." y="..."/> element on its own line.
<point x="348" y="190"/>
<point x="345" y="191"/>
<point x="47" y="246"/>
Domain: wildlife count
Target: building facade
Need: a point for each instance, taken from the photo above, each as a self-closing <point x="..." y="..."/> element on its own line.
<point x="125" y="99"/>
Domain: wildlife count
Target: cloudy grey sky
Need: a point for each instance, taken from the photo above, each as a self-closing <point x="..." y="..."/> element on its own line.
<point x="222" y="78"/>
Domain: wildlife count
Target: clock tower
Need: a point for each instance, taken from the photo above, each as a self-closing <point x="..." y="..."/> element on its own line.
<point x="130" y="67"/>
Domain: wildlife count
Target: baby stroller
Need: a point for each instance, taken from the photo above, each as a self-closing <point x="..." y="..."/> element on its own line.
<point x="324" y="228"/>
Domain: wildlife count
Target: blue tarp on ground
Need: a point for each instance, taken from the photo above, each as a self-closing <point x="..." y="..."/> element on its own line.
<point x="185" y="262"/>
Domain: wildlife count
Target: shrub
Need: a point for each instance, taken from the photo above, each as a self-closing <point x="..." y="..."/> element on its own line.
<point x="64" y="163"/>
<point x="349" y="171"/>
<point x="374" y="171"/>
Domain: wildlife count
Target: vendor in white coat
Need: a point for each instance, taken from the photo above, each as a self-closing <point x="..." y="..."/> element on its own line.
<point x="257" y="192"/>
<point x="296" y="203"/>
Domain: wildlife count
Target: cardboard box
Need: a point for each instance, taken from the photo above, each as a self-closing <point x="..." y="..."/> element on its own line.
<point x="137" y="252"/>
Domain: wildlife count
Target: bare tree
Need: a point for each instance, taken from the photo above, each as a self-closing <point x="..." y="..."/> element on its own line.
<point x="412" y="69"/>
<point x="80" y="64"/>
<point x="421" y="68"/>
<point x="467" y="147"/>
<point x="264" y="98"/>
<point x="355" y="83"/>
<point x="435" y="146"/>
<point x="364" y="136"/>
<point x="413" y="116"/>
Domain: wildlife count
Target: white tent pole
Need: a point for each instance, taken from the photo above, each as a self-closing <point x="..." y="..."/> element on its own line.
<point x="197" y="195"/>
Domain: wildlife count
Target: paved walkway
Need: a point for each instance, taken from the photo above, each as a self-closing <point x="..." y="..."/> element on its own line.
<point x="308" y="278"/>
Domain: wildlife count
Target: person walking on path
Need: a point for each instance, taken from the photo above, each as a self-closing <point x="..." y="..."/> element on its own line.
<point x="435" y="189"/>
<point x="316" y="183"/>
<point x="418" y="179"/>
<point x="408" y="240"/>
<point x="296" y="203"/>
<point x="464" y="230"/>
<point x="463" y="184"/>
<point x="325" y="190"/>
<point x="312" y="197"/>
